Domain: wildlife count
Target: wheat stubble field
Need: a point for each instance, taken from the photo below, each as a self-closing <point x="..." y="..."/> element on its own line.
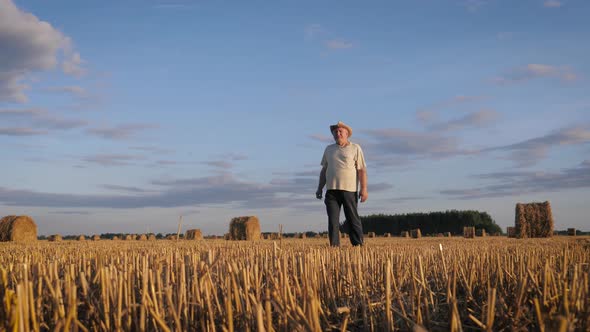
<point x="492" y="283"/>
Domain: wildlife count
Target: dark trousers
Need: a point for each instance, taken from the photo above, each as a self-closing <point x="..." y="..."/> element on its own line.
<point x="334" y="200"/>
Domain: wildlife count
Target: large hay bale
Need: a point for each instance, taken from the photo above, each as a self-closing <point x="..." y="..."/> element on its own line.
<point x="152" y="237"/>
<point x="571" y="231"/>
<point x="481" y="232"/>
<point x="129" y="237"/>
<point x="387" y="235"/>
<point x="18" y="229"/>
<point x="95" y="237"/>
<point x="81" y="238"/>
<point x="371" y="234"/>
<point x="115" y="238"/>
<point x="533" y="220"/>
<point x="171" y="237"/>
<point x="416" y="233"/>
<point x="55" y="238"/>
<point x="405" y="234"/>
<point x="469" y="232"/>
<point x="142" y="237"/>
<point x="193" y="234"/>
<point x="448" y="234"/>
<point x="245" y="228"/>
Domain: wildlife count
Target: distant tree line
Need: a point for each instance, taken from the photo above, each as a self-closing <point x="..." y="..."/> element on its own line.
<point x="430" y="223"/>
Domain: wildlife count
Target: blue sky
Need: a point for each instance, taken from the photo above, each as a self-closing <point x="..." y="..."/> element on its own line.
<point x="121" y="116"/>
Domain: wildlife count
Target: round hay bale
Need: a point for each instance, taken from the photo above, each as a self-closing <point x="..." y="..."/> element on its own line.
<point x="387" y="235"/>
<point x="193" y="234"/>
<point x="142" y="237"/>
<point x="54" y="238"/>
<point x="152" y="237"/>
<point x="81" y="238"/>
<point x="371" y="234"/>
<point x="18" y="229"/>
<point x="416" y="233"/>
<point x="245" y="228"/>
<point x="447" y="234"/>
<point x="405" y="234"/>
<point x="95" y="237"/>
<point x="115" y="238"/>
<point x="171" y="237"/>
<point x="129" y="237"/>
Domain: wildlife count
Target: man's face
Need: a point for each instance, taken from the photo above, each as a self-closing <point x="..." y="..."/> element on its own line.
<point x="340" y="135"/>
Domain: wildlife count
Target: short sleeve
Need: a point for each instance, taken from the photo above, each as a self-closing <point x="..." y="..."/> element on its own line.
<point x="360" y="159"/>
<point x="324" y="162"/>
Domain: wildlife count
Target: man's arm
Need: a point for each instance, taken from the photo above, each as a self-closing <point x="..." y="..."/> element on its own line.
<point x="362" y="176"/>
<point x="321" y="184"/>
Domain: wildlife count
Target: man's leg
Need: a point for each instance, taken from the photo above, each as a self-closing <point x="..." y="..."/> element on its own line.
<point x="333" y="202"/>
<point x="349" y="201"/>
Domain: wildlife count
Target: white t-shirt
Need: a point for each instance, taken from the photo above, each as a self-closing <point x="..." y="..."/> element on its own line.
<point x="341" y="165"/>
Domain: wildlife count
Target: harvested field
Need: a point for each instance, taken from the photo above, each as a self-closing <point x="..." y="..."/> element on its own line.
<point x="493" y="283"/>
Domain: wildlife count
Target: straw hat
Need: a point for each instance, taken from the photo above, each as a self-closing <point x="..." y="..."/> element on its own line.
<point x="341" y="124"/>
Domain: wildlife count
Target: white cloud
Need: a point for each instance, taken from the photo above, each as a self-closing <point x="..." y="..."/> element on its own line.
<point x="451" y="102"/>
<point x="119" y="132"/>
<point x="73" y="65"/>
<point x="312" y="31"/>
<point x="552" y="4"/>
<point x="113" y="159"/>
<point x="523" y="182"/>
<point x="19" y="131"/>
<point x="504" y="35"/>
<point x="338" y="44"/>
<point x="529" y="152"/>
<point x="426" y="116"/>
<point x="398" y="142"/>
<point x="322" y="138"/>
<point x="30" y="45"/>
<point x="39" y="118"/>
<point x="76" y="91"/>
<point x="473" y="5"/>
<point x="475" y="119"/>
<point x="536" y="70"/>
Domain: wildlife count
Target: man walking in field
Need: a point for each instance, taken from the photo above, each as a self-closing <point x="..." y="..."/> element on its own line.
<point x="343" y="168"/>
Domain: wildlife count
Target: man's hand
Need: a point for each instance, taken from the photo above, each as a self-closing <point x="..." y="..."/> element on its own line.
<point x="318" y="194"/>
<point x="364" y="195"/>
